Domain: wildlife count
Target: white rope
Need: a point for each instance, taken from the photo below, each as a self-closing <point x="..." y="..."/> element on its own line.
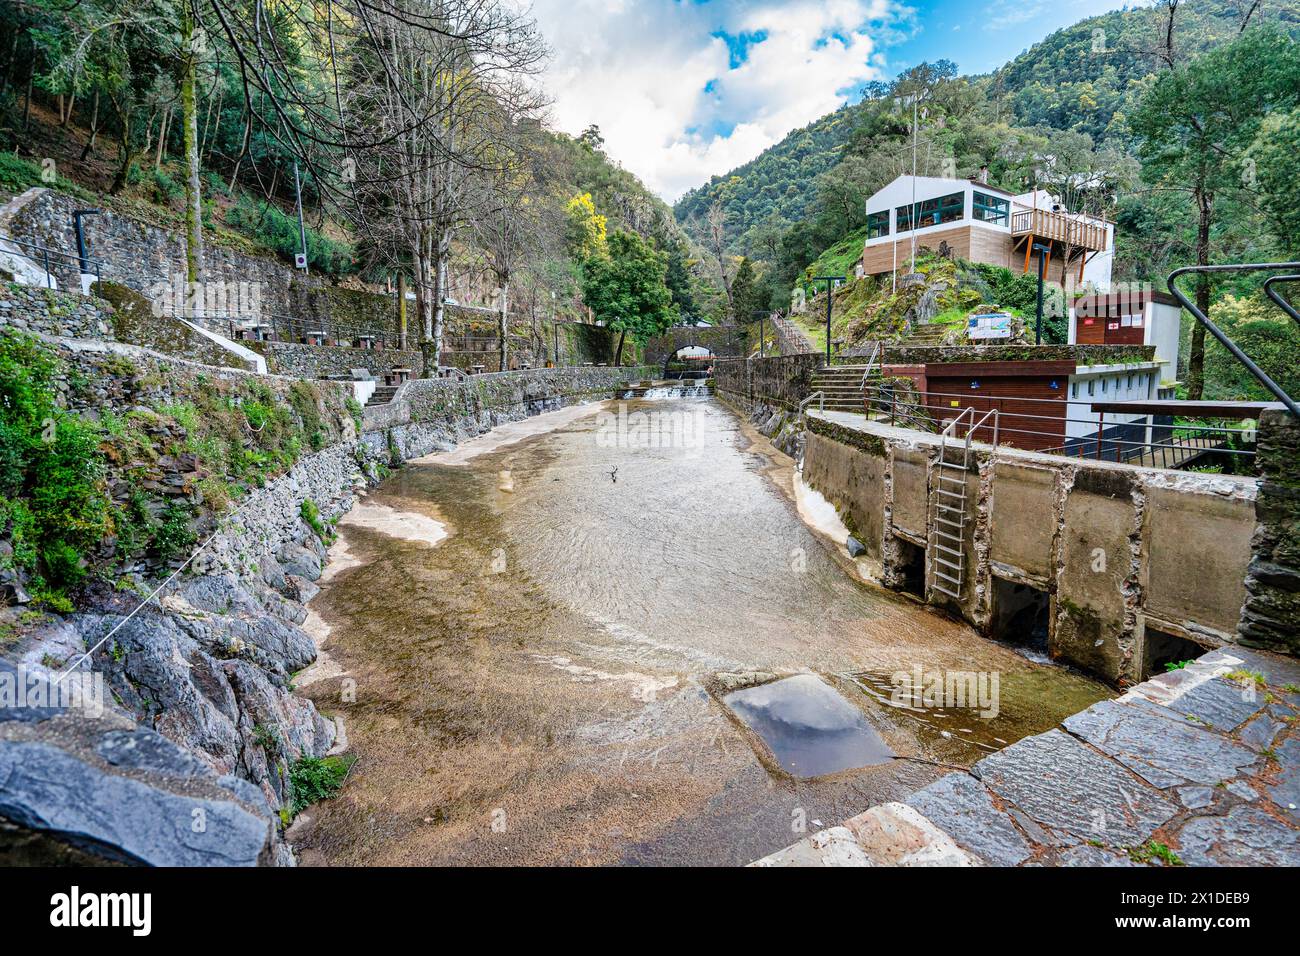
<point x="170" y="578"/>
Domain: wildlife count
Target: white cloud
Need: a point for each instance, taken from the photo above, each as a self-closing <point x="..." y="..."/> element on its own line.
<point x="1001" y="14"/>
<point x="639" y="69"/>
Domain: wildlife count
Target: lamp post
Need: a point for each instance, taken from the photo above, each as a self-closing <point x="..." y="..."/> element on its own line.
<point x="301" y="258"/>
<point x="830" y="285"/>
<point x="77" y="216"/>
<point x="760" y="314"/>
<point x="1042" y="251"/>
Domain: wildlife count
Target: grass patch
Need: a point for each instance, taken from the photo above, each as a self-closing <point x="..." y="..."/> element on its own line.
<point x="1154" y="850"/>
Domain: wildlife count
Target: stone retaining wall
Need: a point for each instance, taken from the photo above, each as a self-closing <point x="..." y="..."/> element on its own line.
<point x="318" y="361"/>
<point x="1128" y="558"/>
<point x="47" y="312"/>
<point x="1271" y="615"/>
<point x="202" y="711"/>
<point x="427" y="415"/>
<point x="781" y="380"/>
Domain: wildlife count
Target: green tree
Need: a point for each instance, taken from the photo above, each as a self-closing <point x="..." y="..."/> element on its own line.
<point x="586" y="228"/>
<point x="745" y="291"/>
<point x="1277" y="154"/>
<point x="627" y="288"/>
<point x="1196" y="124"/>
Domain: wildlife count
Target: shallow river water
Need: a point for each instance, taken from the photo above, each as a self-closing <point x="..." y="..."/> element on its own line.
<point x="522" y="639"/>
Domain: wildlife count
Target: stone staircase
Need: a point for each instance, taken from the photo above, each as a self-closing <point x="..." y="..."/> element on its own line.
<point x="382" y="395"/>
<point x="925" y="334"/>
<point x="842" y="386"/>
<point x="791" y="339"/>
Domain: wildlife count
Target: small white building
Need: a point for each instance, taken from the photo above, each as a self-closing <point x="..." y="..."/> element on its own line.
<point x="1126" y="316"/>
<point x="1135" y="315"/>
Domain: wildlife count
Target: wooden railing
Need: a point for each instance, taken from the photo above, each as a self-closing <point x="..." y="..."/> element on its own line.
<point x="1061" y="227"/>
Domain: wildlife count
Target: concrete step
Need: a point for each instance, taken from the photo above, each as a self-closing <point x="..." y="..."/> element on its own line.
<point x="382" y="395"/>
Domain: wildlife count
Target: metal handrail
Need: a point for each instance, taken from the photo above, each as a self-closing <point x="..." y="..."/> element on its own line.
<point x="871" y="364"/>
<point x="1276" y="296"/>
<point x="821" y="402"/>
<point x="1219" y="334"/>
<point x="81" y="262"/>
<point x="926" y="412"/>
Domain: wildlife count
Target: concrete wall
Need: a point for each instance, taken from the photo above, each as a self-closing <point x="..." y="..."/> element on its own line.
<point x="1118" y="551"/>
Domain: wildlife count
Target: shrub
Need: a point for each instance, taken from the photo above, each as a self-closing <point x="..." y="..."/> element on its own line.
<point x="313" y="779"/>
<point x="51" y="467"/>
<point x="311" y="517"/>
<point x="164" y="189"/>
<point x="279" y="231"/>
<point x="174" y="537"/>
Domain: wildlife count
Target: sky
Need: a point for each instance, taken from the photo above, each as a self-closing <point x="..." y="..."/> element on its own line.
<point x="686" y="89"/>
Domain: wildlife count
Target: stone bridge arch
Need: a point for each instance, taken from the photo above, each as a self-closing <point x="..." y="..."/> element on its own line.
<point x="724" y="341"/>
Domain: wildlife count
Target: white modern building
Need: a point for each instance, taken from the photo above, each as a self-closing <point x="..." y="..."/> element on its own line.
<point x="982" y="223"/>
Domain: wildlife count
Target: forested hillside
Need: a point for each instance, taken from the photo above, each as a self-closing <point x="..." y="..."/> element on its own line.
<point x="1177" y="120"/>
<point x="415" y="132"/>
<point x="1085" y="78"/>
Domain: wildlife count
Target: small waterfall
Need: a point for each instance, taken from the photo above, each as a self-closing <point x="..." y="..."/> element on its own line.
<point x="670" y="391"/>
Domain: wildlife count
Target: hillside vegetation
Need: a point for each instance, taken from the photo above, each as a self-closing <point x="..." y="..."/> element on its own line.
<point x="1178" y="121"/>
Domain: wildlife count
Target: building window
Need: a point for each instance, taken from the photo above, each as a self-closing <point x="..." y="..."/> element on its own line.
<point x="1091" y="385"/>
<point x="1105" y="382"/>
<point x="878" y="224"/>
<point x="991" y="209"/>
<point x="1074" y="390"/>
<point x="1129" y="384"/>
<point x="933" y="212"/>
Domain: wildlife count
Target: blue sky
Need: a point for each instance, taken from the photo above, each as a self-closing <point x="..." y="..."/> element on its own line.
<point x="980" y="37"/>
<point x="686" y="89"/>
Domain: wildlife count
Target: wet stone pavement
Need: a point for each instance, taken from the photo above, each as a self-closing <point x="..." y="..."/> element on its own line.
<point x="1197" y="767"/>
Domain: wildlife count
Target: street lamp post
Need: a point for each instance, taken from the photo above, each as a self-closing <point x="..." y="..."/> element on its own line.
<point x="77" y="216"/>
<point x="761" y="314"/>
<point x="301" y="258"/>
<point x="830" y="285"/>
<point x="1042" y="251"/>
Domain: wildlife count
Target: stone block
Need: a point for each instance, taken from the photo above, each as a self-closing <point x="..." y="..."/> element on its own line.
<point x="1063" y="785"/>
<point x="1195" y="551"/>
<point x="1021" y="528"/>
<point x="961" y="806"/>
<point x="1246" y="836"/>
<point x="894" y="834"/>
<point x="835" y="846"/>
<point x="1157" y="745"/>
<point x="1090" y="629"/>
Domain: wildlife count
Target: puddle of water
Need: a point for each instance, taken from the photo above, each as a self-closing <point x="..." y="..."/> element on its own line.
<point x="811" y="729"/>
<point x="1020" y="703"/>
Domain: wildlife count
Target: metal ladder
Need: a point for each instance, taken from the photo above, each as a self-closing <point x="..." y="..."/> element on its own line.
<point x="950" y="506"/>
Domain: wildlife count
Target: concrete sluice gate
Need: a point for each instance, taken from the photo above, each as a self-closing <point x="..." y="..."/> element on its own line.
<point x="1115" y="569"/>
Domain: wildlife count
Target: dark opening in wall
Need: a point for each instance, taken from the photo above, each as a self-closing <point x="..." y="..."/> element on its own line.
<point x="911" y="568"/>
<point x="1020" y="615"/>
<point x="1160" y="648"/>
